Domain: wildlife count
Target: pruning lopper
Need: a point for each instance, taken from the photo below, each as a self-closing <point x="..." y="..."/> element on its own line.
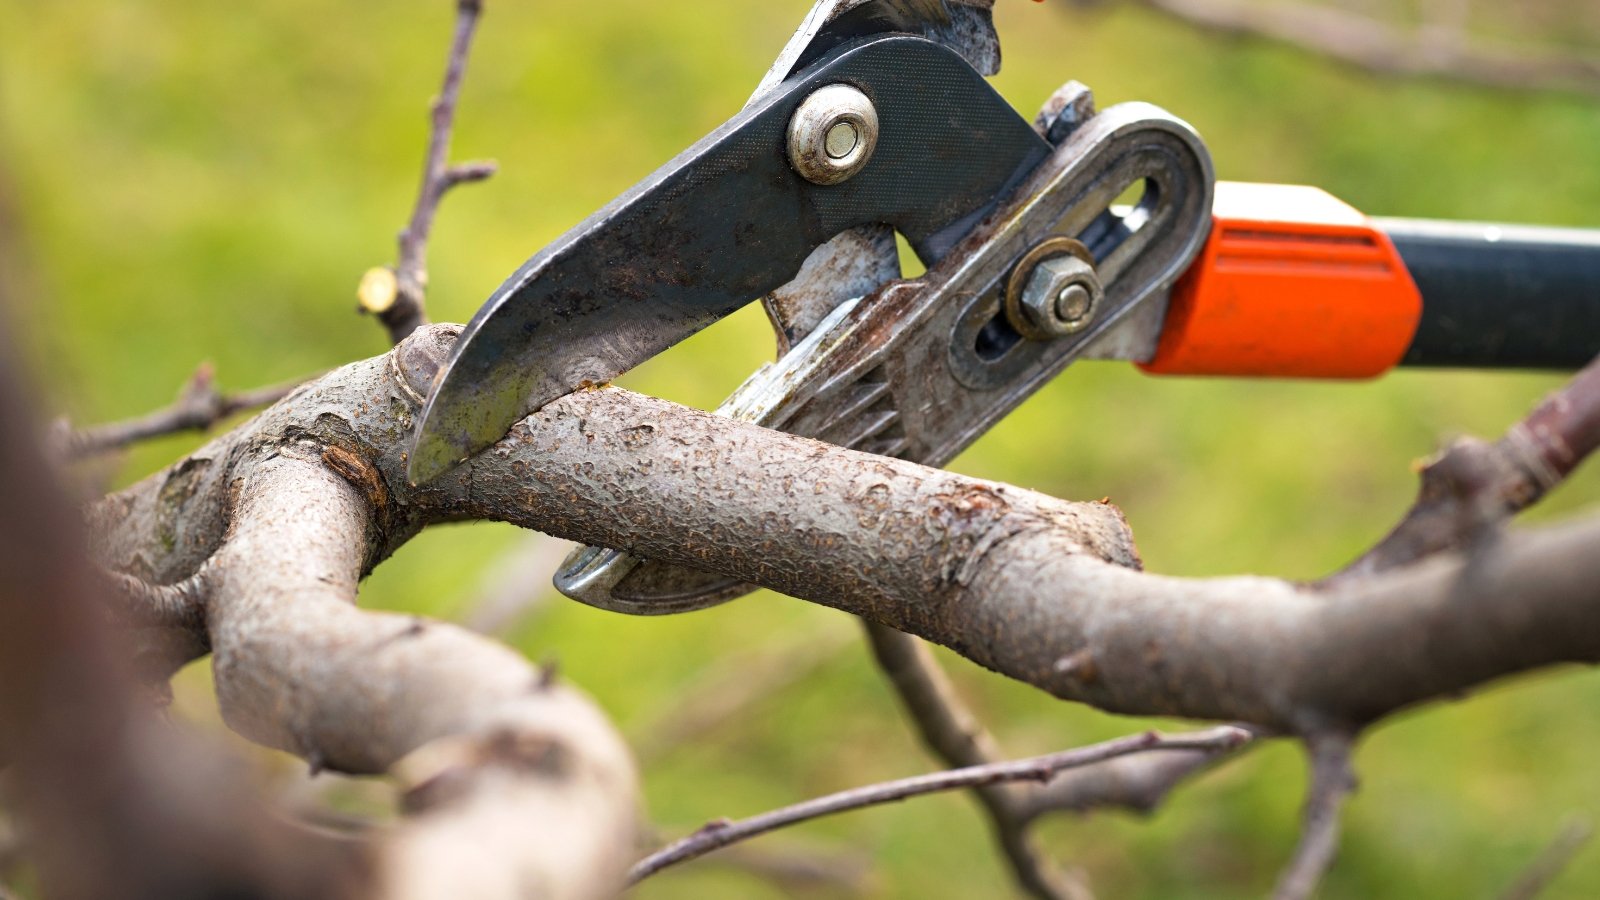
<point x="1083" y="234"/>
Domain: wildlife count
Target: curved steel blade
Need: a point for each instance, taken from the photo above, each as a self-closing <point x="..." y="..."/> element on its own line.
<point x="724" y="223"/>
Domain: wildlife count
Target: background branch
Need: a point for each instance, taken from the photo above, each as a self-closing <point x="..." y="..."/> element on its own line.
<point x="1379" y="47"/>
<point x="952" y="733"/>
<point x="199" y="407"/>
<point x="1040" y="768"/>
<point x="1332" y="781"/>
<point x="397" y="295"/>
<point x="1575" y="835"/>
<point x="1473" y="486"/>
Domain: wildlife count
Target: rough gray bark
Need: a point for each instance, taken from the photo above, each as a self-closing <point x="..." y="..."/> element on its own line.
<point x="512" y="782"/>
<point x="1043" y="590"/>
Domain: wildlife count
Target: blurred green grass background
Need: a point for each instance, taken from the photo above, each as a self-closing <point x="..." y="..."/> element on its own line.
<point x="208" y="181"/>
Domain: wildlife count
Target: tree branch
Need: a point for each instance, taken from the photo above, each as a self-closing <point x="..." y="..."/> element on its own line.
<point x="397" y="295"/>
<point x="954" y="736"/>
<point x="1331" y="783"/>
<point x="510" y="779"/>
<point x="1040" y="768"/>
<point x="289" y="510"/>
<point x="1138" y="784"/>
<point x="199" y="407"/>
<point x="1474" y="486"/>
<point x="1574" y="836"/>
<point x="1040" y="589"/>
<point x="1369" y="44"/>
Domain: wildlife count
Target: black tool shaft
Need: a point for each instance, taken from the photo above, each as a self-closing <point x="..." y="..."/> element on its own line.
<point x="1502" y="296"/>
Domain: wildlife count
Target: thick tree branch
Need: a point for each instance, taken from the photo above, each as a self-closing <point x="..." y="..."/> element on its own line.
<point x="287" y="512"/>
<point x="511" y="780"/>
<point x="397" y="295"/>
<point x="1040" y="589"/>
<point x="1040" y="768"/>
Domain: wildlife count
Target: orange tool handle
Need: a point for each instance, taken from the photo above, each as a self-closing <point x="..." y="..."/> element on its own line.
<point x="1292" y="282"/>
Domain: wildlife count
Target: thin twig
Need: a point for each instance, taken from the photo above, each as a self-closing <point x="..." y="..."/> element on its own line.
<point x="1574" y="836"/>
<point x="1137" y="784"/>
<point x="397" y="295"/>
<point x="1331" y="783"/>
<point x="199" y="407"/>
<point x="953" y="734"/>
<point x="1376" y="46"/>
<point x="1040" y="768"/>
<point x="1473" y="485"/>
<point x="793" y="869"/>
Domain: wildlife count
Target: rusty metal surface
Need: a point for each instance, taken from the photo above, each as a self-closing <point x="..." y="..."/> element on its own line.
<point x="920" y="369"/>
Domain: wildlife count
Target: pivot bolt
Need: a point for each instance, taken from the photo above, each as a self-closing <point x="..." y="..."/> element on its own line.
<point x="1054" y="291"/>
<point x="833" y="134"/>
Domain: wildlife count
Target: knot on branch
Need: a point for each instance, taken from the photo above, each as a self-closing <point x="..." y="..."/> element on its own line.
<point x="418" y="359"/>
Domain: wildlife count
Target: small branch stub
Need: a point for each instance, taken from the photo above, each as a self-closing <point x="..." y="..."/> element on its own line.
<point x="378" y="290"/>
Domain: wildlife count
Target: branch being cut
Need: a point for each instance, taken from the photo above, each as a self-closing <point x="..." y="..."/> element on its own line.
<point x="1040" y="768"/>
<point x="397" y="295"/>
<point x="1044" y="590"/>
<point x="1386" y="49"/>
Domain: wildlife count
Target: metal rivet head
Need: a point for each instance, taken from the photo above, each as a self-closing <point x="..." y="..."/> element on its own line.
<point x="1074" y="303"/>
<point x="1054" y="291"/>
<point x="833" y="134"/>
<point x="842" y="138"/>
